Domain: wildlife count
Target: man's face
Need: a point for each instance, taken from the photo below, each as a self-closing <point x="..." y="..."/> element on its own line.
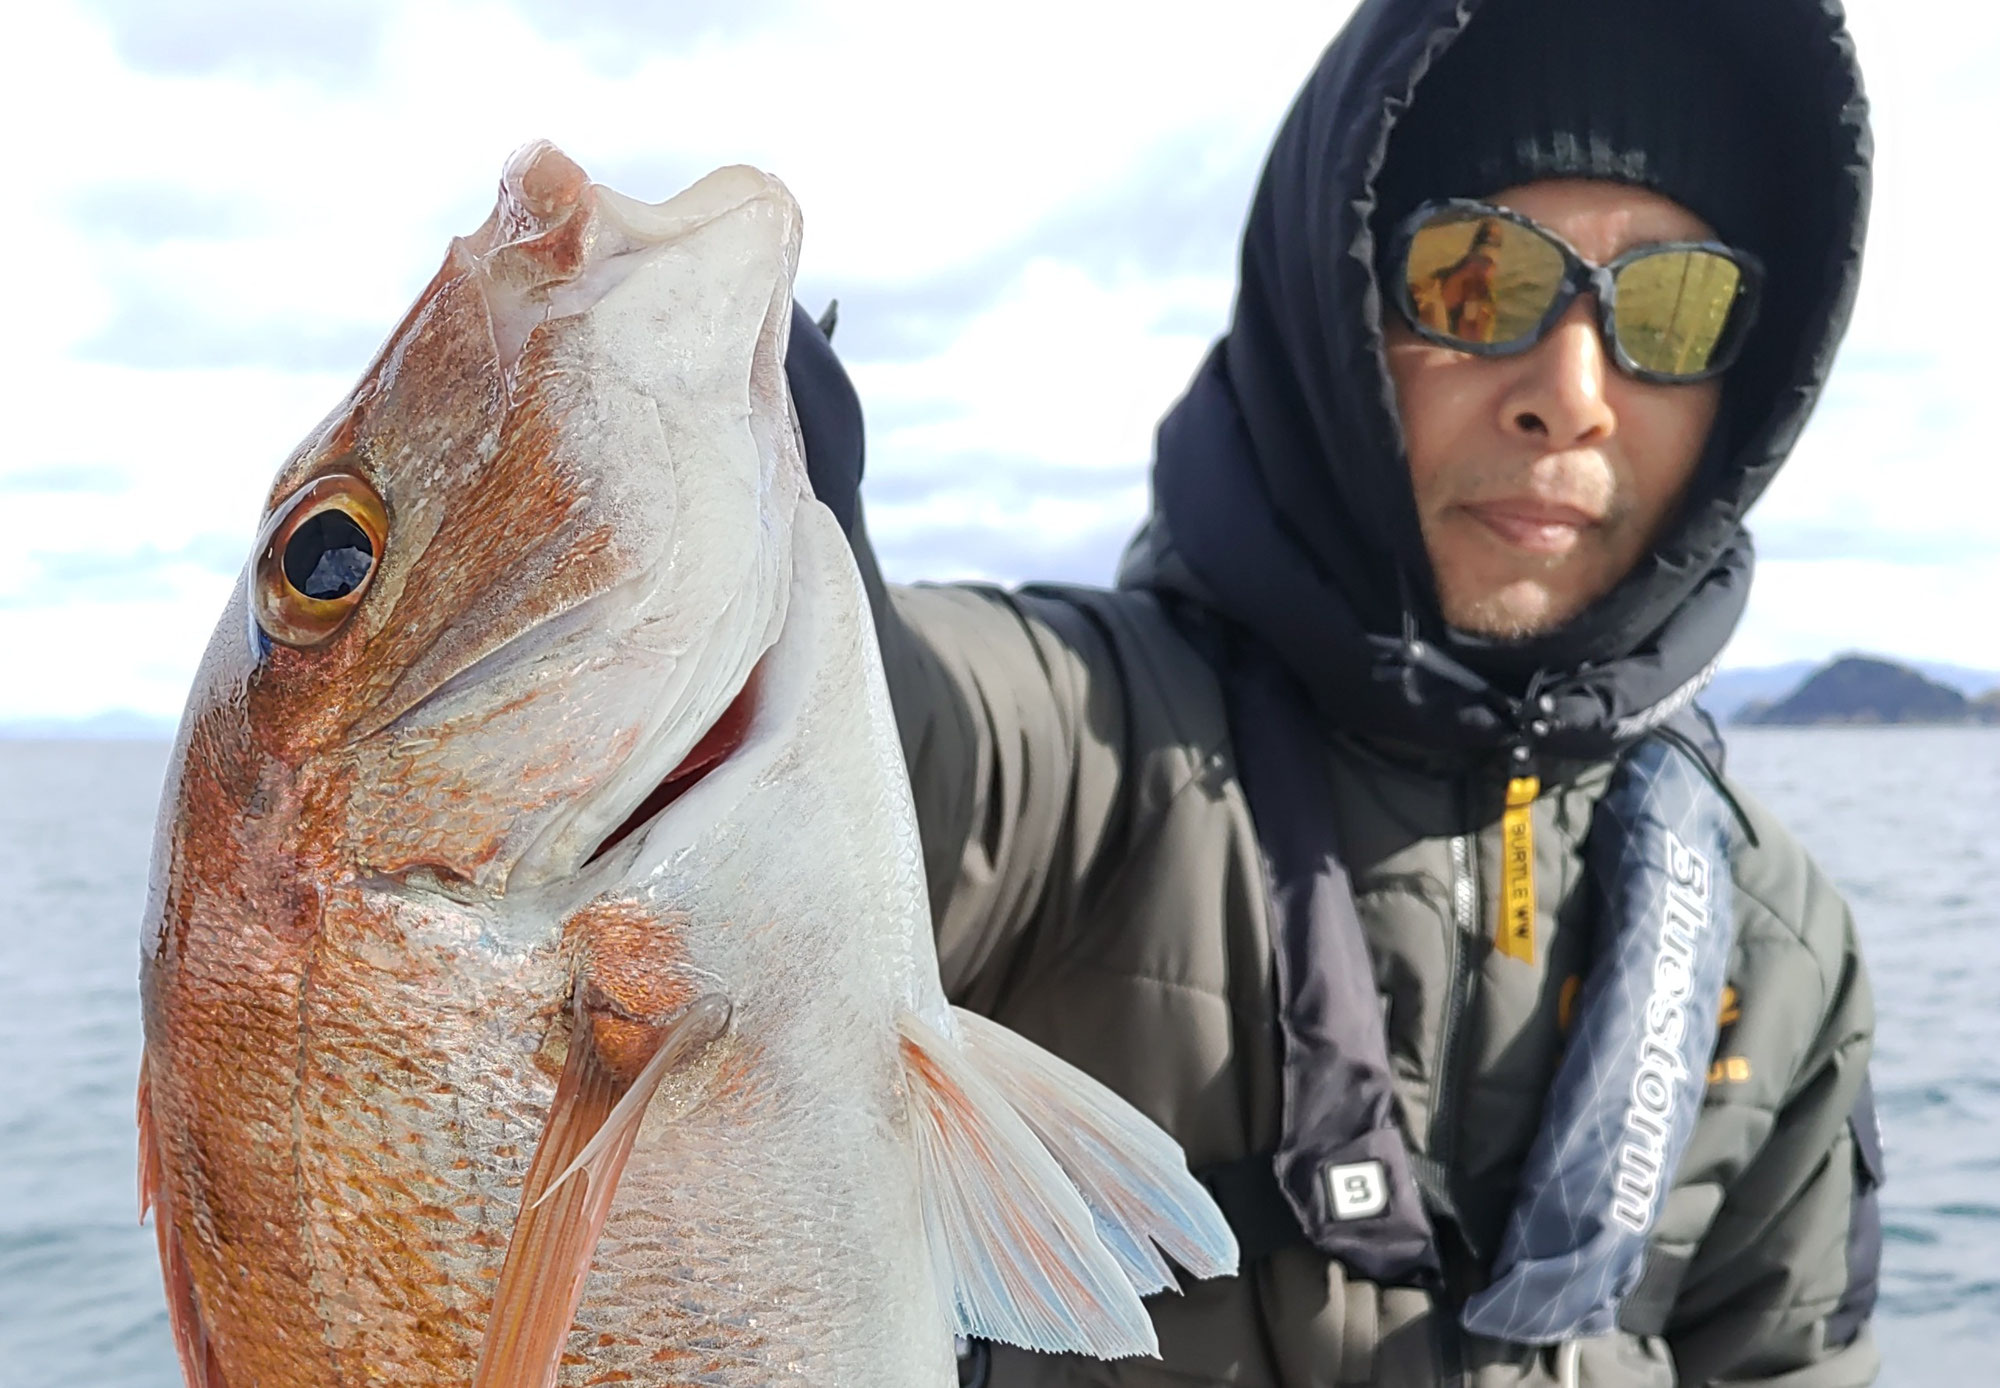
<point x="1542" y="479"/>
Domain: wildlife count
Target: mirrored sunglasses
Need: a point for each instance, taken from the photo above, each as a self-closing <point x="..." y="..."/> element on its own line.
<point x="1490" y="281"/>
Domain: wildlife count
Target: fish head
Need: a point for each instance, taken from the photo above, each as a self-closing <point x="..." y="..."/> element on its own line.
<point x="541" y="545"/>
<point x="499" y="601"/>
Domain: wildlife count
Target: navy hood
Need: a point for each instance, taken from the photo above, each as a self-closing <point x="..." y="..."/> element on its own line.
<point x="1282" y="499"/>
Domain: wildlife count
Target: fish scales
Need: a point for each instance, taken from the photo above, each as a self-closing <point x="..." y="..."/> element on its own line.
<point x="538" y="979"/>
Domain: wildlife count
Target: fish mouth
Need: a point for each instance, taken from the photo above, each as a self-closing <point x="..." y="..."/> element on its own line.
<point x="711" y="750"/>
<point x="642" y="818"/>
<point x="718" y="702"/>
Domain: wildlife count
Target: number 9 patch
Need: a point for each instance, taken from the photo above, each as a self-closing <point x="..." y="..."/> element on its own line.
<point x="1356" y="1190"/>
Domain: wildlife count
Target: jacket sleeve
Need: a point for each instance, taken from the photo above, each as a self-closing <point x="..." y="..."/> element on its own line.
<point x="1780" y="1288"/>
<point x="1012" y="721"/>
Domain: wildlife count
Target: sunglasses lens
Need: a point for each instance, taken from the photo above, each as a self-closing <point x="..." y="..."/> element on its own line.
<point x="1675" y="309"/>
<point x="1480" y="279"/>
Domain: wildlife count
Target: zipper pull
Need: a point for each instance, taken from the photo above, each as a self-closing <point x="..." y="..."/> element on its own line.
<point x="1514" y="935"/>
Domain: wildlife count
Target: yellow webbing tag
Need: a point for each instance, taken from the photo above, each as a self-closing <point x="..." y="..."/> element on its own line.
<point x="1516" y="936"/>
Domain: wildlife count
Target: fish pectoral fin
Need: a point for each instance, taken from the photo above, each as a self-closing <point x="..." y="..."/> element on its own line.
<point x="1134" y="1177"/>
<point x="149" y="1144"/>
<point x="198" y="1368"/>
<point x="693" y="1029"/>
<point x="1014" y="1251"/>
<point x="593" y="1121"/>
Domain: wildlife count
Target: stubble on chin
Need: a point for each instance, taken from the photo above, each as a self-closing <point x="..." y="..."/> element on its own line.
<point x="1502" y="608"/>
<point x="1507" y="615"/>
<point x="1534" y="596"/>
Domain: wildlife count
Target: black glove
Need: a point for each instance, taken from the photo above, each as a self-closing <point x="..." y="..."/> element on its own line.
<point x="829" y="417"/>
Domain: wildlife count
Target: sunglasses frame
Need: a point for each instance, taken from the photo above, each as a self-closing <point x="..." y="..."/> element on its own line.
<point x="1580" y="276"/>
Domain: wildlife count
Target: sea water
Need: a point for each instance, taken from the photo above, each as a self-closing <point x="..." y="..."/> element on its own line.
<point x="1906" y="820"/>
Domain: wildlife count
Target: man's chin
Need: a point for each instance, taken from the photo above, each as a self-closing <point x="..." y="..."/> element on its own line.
<point x="1515" y="612"/>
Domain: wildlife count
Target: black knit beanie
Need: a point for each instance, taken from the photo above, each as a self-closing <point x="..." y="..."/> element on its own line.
<point x="1634" y="91"/>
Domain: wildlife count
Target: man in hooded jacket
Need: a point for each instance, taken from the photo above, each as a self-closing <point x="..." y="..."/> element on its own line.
<point x="1365" y="836"/>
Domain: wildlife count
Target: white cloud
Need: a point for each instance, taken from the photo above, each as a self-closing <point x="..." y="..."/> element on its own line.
<point x="228" y="215"/>
<point x="1068" y="371"/>
<point x="1809" y="609"/>
<point x="75" y="658"/>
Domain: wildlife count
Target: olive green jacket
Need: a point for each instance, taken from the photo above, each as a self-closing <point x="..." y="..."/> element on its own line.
<point x="1097" y="885"/>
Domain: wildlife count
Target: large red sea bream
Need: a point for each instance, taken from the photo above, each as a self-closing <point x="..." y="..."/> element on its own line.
<point x="538" y="977"/>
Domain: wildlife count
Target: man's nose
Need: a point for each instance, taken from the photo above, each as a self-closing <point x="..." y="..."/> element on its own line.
<point x="1559" y="396"/>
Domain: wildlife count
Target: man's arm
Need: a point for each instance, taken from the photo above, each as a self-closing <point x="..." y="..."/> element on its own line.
<point x="1780" y="1290"/>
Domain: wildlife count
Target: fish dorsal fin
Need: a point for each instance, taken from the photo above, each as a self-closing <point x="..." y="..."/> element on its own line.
<point x="1132" y="1175"/>
<point x="1014" y="1250"/>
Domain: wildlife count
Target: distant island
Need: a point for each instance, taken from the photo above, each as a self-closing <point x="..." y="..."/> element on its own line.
<point x="1859" y="690"/>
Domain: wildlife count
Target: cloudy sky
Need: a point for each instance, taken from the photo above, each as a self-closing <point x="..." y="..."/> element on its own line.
<point x="215" y="208"/>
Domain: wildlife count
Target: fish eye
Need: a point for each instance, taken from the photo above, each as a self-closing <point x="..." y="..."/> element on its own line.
<point x="329" y="556"/>
<point x="316" y="556"/>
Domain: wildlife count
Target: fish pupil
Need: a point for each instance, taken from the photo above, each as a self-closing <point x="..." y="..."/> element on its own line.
<point x="328" y="556"/>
